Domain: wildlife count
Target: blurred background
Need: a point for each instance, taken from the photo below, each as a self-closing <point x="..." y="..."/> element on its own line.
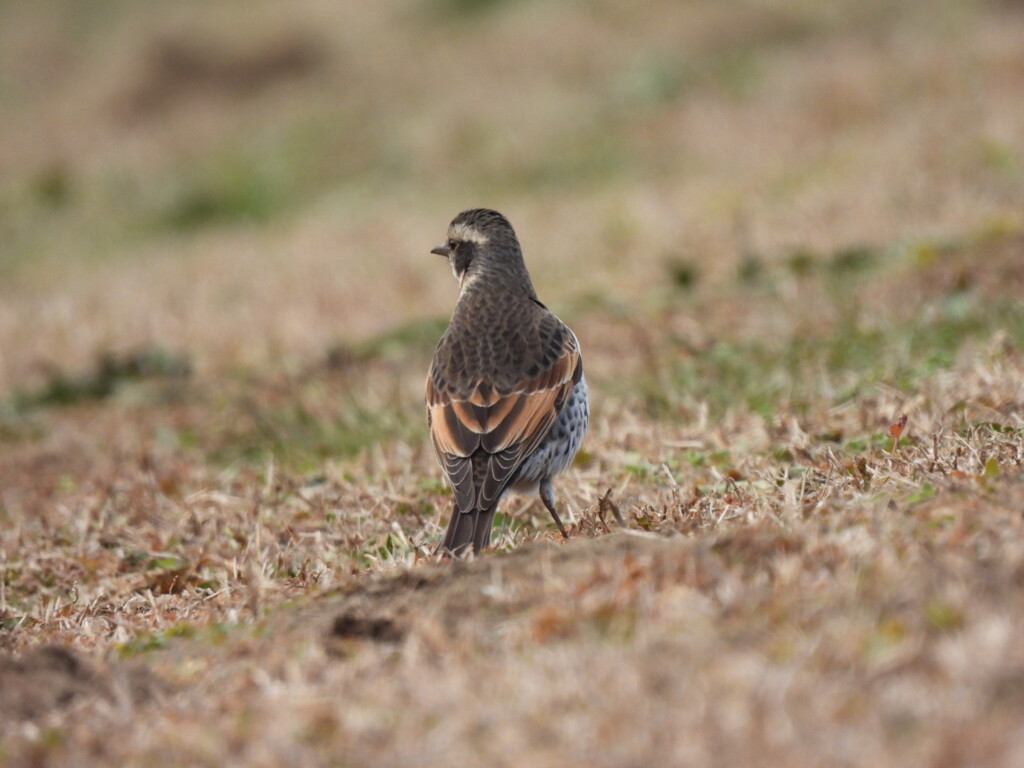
<point x="790" y="238"/>
<point x="219" y="189"/>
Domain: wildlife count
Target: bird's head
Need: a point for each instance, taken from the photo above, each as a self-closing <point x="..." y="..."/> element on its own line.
<point x="482" y="243"/>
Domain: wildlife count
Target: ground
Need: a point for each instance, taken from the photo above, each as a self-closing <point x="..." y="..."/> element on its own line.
<point x="790" y="241"/>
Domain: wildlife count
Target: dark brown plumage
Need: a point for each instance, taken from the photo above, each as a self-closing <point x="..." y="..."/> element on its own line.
<point x="506" y="397"/>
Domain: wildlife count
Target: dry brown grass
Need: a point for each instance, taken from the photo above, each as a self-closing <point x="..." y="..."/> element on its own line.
<point x="776" y="233"/>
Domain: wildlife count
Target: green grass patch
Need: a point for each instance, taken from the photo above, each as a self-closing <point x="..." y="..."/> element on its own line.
<point x="339" y="410"/>
<point x="830" y="367"/>
<point x="415" y="339"/>
<point x="111" y="371"/>
<point x="305" y="430"/>
<point x="239" y="187"/>
<point x="155" y="641"/>
<point x="215" y="633"/>
<point x="456" y="9"/>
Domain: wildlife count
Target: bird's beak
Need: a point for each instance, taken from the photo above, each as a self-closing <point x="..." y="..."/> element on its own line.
<point x="442" y="250"/>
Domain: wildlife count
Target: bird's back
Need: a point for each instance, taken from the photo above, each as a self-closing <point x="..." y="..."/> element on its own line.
<point x="498" y="339"/>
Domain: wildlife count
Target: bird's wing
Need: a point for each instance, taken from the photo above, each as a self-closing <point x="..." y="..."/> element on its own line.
<point x="481" y="423"/>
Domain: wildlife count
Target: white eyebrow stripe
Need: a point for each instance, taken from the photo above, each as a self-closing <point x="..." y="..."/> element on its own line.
<point x="466" y="234"/>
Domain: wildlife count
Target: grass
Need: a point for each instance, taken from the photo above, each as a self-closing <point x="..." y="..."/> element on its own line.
<point x="789" y="241"/>
<point x="828" y="370"/>
<point x="110" y="373"/>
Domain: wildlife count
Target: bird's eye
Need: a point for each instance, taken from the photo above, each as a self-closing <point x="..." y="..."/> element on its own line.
<point x="451" y="244"/>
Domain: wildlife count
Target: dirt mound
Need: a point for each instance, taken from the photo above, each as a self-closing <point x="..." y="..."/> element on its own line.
<point x="475" y="598"/>
<point x="51" y="679"/>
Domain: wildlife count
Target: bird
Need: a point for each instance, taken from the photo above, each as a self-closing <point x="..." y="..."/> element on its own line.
<point x="507" y="401"/>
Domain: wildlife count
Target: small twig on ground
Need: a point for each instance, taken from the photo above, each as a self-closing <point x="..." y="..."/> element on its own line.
<point x="605" y="503"/>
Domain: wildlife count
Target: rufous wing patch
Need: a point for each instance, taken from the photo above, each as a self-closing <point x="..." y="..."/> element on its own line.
<point x="508" y="426"/>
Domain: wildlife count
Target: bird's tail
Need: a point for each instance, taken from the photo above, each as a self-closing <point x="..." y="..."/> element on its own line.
<point x="467" y="529"/>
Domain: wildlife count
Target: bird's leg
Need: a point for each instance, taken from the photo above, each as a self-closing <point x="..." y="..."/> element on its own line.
<point x="547" y="495"/>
